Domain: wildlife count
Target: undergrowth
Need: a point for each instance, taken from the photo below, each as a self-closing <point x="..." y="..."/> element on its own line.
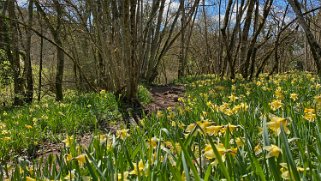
<point x="267" y="129"/>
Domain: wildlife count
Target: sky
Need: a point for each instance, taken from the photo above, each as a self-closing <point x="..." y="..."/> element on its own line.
<point x="212" y="9"/>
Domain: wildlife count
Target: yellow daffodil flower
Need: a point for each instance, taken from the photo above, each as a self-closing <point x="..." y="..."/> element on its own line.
<point x="81" y="159"/>
<point x="70" y="176"/>
<point x="68" y="141"/>
<point x="239" y="142"/>
<point x="276" y="123"/>
<point x="67" y="157"/>
<point x="231" y="128"/>
<point x="153" y="142"/>
<point x="232" y="98"/>
<point x="278" y="93"/>
<point x="209" y="153"/>
<point x="28" y="126"/>
<point x="6" y="138"/>
<point x="30" y="179"/>
<point x="213" y="130"/>
<point x="285" y="173"/>
<point x="202" y="124"/>
<point x="122" y="134"/>
<point x="122" y="176"/>
<point x="273" y="151"/>
<point x="309" y="114"/>
<point x="275" y="105"/>
<point x="190" y="127"/>
<point x="294" y="96"/>
<point x="258" y="149"/>
<point x="140" y="168"/>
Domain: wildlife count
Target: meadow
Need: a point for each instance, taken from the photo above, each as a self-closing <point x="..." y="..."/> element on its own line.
<point x="222" y="129"/>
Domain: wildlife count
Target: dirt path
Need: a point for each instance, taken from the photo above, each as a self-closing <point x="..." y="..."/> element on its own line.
<point x="165" y="96"/>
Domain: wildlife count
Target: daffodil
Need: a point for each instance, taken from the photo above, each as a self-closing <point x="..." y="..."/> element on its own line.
<point x="70" y="176"/>
<point x="122" y="176"/>
<point x="2" y="125"/>
<point x="28" y="126"/>
<point x="309" y="114"/>
<point x="231" y="128"/>
<point x="294" y="96"/>
<point x="276" y="123"/>
<point x="102" y="138"/>
<point x="213" y="130"/>
<point x="209" y="152"/>
<point x="285" y="173"/>
<point x="6" y="138"/>
<point x="122" y="134"/>
<point x="190" y="127"/>
<point x="233" y="88"/>
<point x="159" y="114"/>
<point x="68" y="141"/>
<point x="138" y="169"/>
<point x="273" y="151"/>
<point x="232" y="151"/>
<point x="202" y="124"/>
<point x="178" y="148"/>
<point x="81" y="159"/>
<point x="232" y="98"/>
<point x="153" y="142"/>
<point x="276" y="104"/>
<point x="102" y="92"/>
<point x="30" y="179"/>
<point x="278" y="93"/>
<point x="67" y="157"/>
<point x="239" y="142"/>
<point x="317" y="99"/>
<point x="210" y="155"/>
<point x="258" y="149"/>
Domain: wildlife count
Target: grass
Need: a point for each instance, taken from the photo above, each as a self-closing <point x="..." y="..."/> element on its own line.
<point x="23" y="128"/>
<point x="267" y="129"/>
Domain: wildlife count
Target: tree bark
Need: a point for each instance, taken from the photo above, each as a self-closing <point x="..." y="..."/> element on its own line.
<point x="13" y="55"/>
<point x="244" y="38"/>
<point x="28" y="66"/>
<point x="181" y="68"/>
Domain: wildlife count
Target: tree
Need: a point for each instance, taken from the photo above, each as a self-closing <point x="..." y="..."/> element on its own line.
<point x="314" y="45"/>
<point x="12" y="48"/>
<point x="27" y="65"/>
<point x="56" y="32"/>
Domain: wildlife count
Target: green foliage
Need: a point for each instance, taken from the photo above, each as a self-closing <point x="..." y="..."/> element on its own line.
<point x="222" y="130"/>
<point x="5" y="69"/>
<point x="144" y="96"/>
<point x="25" y="128"/>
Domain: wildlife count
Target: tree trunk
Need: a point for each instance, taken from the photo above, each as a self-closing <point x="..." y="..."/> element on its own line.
<point x="13" y="55"/>
<point x="40" y="64"/>
<point x="28" y="66"/>
<point x="314" y="45"/>
<point x="56" y="33"/>
<point x="181" y="67"/>
<point x="59" y="70"/>
<point x="244" y="38"/>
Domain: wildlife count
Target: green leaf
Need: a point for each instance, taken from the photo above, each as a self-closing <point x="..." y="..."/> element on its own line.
<point x="288" y="155"/>
<point x="187" y="159"/>
<point x="219" y="158"/>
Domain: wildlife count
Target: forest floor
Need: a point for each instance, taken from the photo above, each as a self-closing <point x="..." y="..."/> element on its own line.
<point x="163" y="97"/>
